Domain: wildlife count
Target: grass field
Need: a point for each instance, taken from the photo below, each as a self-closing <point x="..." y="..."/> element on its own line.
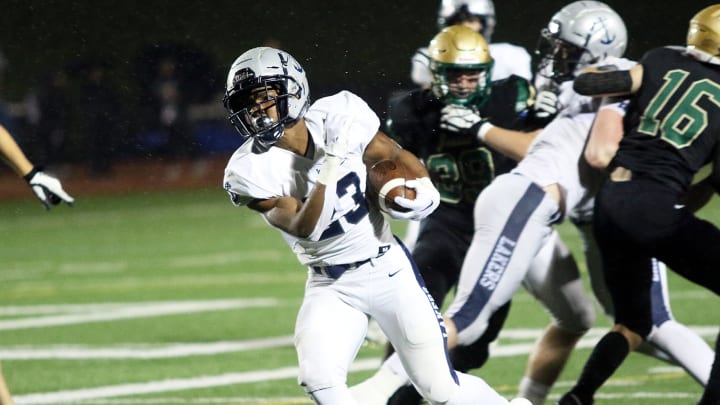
<point x="180" y="298"/>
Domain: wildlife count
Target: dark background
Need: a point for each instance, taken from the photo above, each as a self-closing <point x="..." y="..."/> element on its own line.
<point x="363" y="46"/>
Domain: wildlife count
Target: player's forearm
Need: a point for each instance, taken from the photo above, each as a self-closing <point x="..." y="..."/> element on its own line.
<point x="297" y="218"/>
<point x="12" y="154"/>
<point x="513" y="144"/>
<point x="604" y="138"/>
<point x="619" y="82"/>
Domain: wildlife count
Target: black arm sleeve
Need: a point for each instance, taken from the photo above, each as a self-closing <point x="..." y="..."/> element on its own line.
<point x="593" y="84"/>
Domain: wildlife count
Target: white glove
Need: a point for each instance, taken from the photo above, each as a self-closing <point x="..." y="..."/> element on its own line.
<point x="427" y="198"/>
<point x="546" y="104"/>
<point x="47" y="188"/>
<point x="458" y="118"/>
<point x="336" y="148"/>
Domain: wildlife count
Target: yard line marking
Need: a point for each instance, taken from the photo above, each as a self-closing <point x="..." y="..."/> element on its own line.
<point x="530" y="333"/>
<point x="135" y="310"/>
<point x="365" y="364"/>
<point x="179" y="384"/>
<point x="143" y="351"/>
<point x="211" y="400"/>
<point x="173" y="350"/>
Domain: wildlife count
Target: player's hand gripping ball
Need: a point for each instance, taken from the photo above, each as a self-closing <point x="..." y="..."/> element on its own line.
<point x="387" y="178"/>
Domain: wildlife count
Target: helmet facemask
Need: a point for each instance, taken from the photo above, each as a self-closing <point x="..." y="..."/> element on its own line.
<point x="250" y="104"/>
<point x="461" y="66"/>
<point x="266" y="91"/>
<point x="447" y="80"/>
<point x="561" y="60"/>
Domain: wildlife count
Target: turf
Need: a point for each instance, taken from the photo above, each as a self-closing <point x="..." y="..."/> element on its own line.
<point x="97" y="295"/>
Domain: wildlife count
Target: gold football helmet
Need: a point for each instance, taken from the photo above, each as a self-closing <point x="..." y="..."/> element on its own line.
<point x="456" y="51"/>
<point x="704" y="32"/>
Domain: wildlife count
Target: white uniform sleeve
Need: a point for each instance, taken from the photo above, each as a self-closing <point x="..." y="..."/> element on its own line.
<point x="420" y="68"/>
<point x="510" y="60"/>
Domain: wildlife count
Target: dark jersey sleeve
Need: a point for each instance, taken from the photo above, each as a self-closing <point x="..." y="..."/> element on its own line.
<point x="412" y="120"/>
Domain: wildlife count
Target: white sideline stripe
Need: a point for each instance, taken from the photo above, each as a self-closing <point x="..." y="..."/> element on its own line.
<point x="180" y="384"/>
<point x="13" y="310"/>
<point x="143" y="352"/>
<point x="150" y="387"/>
<point x="135" y="310"/>
<point x="209" y="400"/>
<point x="173" y="350"/>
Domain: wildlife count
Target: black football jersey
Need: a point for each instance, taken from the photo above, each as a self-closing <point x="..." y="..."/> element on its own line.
<point x="459" y="165"/>
<point x="673" y="122"/>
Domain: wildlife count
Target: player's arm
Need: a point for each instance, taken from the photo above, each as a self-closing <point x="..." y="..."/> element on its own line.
<point x="290" y="215"/>
<point x="427" y="198"/>
<point x="609" y="83"/>
<point x="383" y="147"/>
<point x="511" y="143"/>
<point x="604" y="138"/>
<point x="47" y="188"/>
<point x="12" y="154"/>
<point x="308" y="219"/>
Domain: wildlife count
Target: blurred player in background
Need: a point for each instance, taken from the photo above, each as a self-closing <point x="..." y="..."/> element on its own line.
<point x="508" y="59"/>
<point x="431" y="123"/>
<point x="303" y="167"/>
<point x="545" y="188"/>
<point x="478" y="15"/>
<point x="670" y="132"/>
<point x="47" y="189"/>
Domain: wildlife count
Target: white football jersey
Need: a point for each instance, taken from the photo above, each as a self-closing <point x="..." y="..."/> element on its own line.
<point x="356" y="231"/>
<point x="509" y="59"/>
<point x="554" y="154"/>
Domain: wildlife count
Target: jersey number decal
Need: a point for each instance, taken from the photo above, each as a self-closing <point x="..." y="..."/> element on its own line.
<point x="462" y="177"/>
<point x="350" y="183"/>
<point x="687" y="118"/>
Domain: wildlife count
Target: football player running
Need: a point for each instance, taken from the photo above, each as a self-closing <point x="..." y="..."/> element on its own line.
<point x="642" y="210"/>
<point x="431" y="123"/>
<point x="303" y="168"/>
<point x="508" y="59"/>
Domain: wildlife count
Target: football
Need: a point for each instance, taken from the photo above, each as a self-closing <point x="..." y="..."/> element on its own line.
<point x="387" y="180"/>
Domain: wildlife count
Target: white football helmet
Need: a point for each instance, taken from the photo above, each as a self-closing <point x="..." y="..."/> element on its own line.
<point x="453" y="12"/>
<point x="580" y="34"/>
<point x="276" y="71"/>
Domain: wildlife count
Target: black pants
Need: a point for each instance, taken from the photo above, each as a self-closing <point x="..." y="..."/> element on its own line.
<point x="640" y="219"/>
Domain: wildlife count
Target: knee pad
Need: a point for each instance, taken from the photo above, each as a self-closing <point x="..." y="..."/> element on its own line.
<point x="313" y="376"/>
<point x="437" y="387"/>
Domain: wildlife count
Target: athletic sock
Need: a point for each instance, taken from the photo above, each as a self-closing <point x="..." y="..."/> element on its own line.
<point x="533" y="391"/>
<point x="711" y="396"/>
<point x="607" y="356"/>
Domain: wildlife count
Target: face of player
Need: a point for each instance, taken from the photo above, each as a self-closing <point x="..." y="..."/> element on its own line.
<point x="263" y="112"/>
<point x="463" y="83"/>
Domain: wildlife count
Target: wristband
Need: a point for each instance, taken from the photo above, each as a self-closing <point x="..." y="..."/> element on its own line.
<point x="329" y="171"/>
<point x="485" y="127"/>
<point x="35" y="170"/>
